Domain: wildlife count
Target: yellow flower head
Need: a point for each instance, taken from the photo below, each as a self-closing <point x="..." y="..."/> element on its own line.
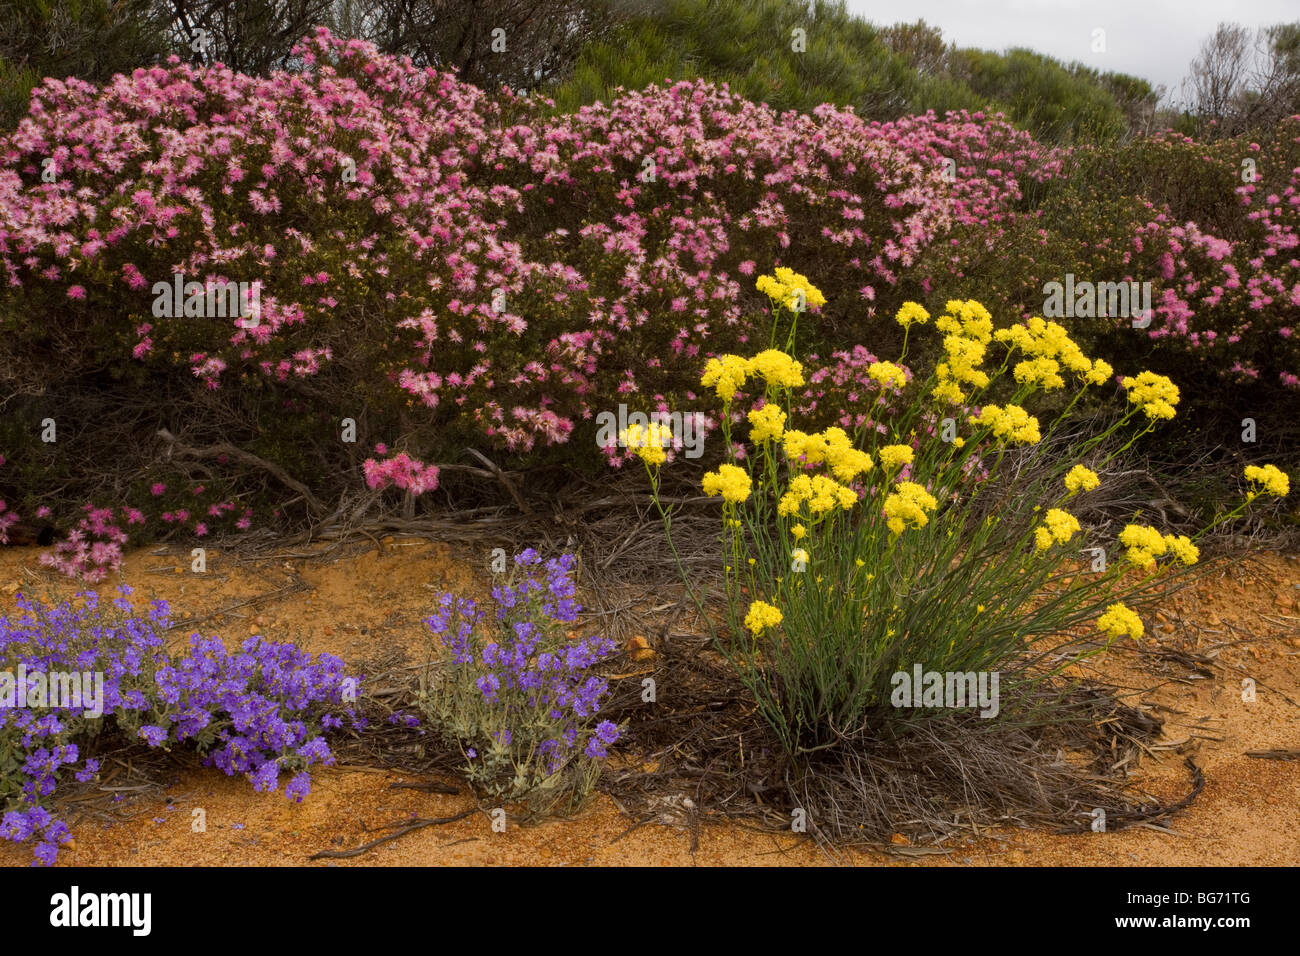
<point x="894" y="456"/>
<point x="727" y="374"/>
<point x="1099" y="373"/>
<point x="908" y="505"/>
<point x="648" y="442"/>
<point x="786" y="287"/>
<point x="911" y="312"/>
<point x="887" y="373"/>
<point x="822" y="495"/>
<point x="1080" y="478"/>
<point x="1040" y="373"/>
<point x="1119" y="621"/>
<point x="776" y="368"/>
<point x="1181" y="547"/>
<point x="766" y="423"/>
<point x="729" y="481"/>
<point x="1270" y="479"/>
<point x="1058" y="527"/>
<point x="762" y="616"/>
<point x="1011" y="423"/>
<point x="1144" y="544"/>
<point x="1156" y="394"/>
<point x="948" y="393"/>
<point x="798" y="531"/>
<point x="848" y="463"/>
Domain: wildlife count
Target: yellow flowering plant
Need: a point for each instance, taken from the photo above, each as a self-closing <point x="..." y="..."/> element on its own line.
<point x="850" y="557"/>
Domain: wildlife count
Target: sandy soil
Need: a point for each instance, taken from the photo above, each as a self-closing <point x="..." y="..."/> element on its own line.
<point x="1245" y="614"/>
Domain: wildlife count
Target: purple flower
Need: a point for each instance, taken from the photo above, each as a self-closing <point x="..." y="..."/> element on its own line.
<point x="266" y="777"/>
<point x="153" y="735"/>
<point x="489" y="684"/>
<point x="46" y="853"/>
<point x="298" y="787"/>
<point x="607" y="731"/>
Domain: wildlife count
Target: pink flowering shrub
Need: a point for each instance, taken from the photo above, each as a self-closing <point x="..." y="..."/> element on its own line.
<point x="463" y="254"/>
<point x="1222" y="255"/>
<point x="400" y="471"/>
<point x="468" y="268"/>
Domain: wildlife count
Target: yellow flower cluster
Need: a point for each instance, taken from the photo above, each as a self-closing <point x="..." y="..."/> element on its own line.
<point x="761" y="616"/>
<point x="832" y="447"/>
<point x="1012" y="422"/>
<point x="1271" y="480"/>
<point x="766" y="423"/>
<point x="1099" y="374"/>
<point x="1047" y="340"/>
<point x="912" y="312"/>
<point x="727" y="374"/>
<point x="784" y="287"/>
<point x="648" y="441"/>
<point x="1058" y="527"/>
<point x="1080" y="478"/>
<point x="969" y="328"/>
<point x="1146" y="544"/>
<point x="730" y="481"/>
<point x="821" y="493"/>
<point x="908" y="505"/>
<point x="1039" y="372"/>
<point x="887" y="373"/>
<point x="1181" y="547"/>
<point x="776" y="368"/>
<point x="1120" y="620"/>
<point x="798" y="531"/>
<point x="892" y="456"/>
<point x="968" y="318"/>
<point x="947" y="392"/>
<point x="963" y="358"/>
<point x="1156" y="394"/>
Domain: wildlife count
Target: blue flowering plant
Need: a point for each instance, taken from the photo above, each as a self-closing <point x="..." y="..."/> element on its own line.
<point x="515" y="690"/>
<point x="262" y="711"/>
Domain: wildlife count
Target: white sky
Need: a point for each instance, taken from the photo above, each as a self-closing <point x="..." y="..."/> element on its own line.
<point x="1153" y="39"/>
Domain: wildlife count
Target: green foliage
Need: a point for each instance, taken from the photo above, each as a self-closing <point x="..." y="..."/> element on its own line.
<point x="89" y="39"/>
<point x="1058" y="103"/>
<point x="749" y="46"/>
<point x="882" y="72"/>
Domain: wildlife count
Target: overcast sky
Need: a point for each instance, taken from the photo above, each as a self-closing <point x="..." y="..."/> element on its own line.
<point x="1153" y="39"/>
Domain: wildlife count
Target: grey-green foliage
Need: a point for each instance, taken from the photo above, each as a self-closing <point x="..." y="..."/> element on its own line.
<point x="883" y="72"/>
<point x="751" y="47"/>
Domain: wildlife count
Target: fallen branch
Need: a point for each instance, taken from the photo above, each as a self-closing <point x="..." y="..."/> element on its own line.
<point x="1274" y="754"/>
<point x="411" y="827"/>
<point x="501" y="477"/>
<point x="248" y="458"/>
